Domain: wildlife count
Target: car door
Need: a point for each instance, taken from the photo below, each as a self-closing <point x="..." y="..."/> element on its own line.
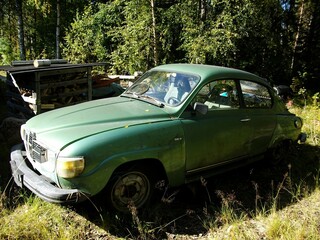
<point x="220" y="136"/>
<point x="258" y="102"/>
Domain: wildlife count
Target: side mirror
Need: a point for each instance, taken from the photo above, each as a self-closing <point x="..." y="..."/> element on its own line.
<point x="201" y="108"/>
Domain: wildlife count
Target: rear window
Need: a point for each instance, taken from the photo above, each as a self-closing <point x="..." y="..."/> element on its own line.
<point x="255" y="95"/>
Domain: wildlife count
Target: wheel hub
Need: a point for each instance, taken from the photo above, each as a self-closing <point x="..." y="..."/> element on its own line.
<point x="133" y="187"/>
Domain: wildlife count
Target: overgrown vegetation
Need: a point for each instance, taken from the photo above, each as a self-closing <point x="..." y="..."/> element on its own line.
<point x="36" y="219"/>
<point x="257" y="202"/>
<point x="276" y="39"/>
<point x="310" y="111"/>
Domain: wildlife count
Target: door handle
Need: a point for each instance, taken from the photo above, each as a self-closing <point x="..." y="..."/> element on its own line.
<point x="245" y="120"/>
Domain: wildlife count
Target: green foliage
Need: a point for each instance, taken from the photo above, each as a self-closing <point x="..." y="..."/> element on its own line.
<point x="210" y="38"/>
<point x="275" y="39"/>
<point x="6" y="52"/>
<point x="310" y="114"/>
<point x="84" y="41"/>
<point x="90" y="37"/>
<point x="134" y="50"/>
<point x="316" y="100"/>
<point x="311" y="123"/>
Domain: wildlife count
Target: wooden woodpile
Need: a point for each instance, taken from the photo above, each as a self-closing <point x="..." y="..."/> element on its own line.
<point x="32" y="89"/>
<point x="38" y="86"/>
<point x="35" y="87"/>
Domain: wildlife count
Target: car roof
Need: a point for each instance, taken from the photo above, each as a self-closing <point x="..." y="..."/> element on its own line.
<point x="211" y="71"/>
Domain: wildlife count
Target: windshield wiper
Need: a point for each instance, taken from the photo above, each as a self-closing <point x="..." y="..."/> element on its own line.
<point x="134" y="95"/>
<point x="154" y="100"/>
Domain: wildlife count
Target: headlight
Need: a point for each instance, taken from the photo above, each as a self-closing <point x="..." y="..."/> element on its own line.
<point x="69" y="167"/>
<point x="23" y="132"/>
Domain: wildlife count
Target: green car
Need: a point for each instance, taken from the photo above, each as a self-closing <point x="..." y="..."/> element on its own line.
<point x="177" y="123"/>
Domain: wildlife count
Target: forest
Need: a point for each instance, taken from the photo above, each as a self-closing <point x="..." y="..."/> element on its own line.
<point x="276" y="39"/>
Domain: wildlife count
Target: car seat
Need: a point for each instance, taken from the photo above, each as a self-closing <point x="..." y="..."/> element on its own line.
<point x="178" y="90"/>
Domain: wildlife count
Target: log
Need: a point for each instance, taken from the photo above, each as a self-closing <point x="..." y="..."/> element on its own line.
<point x="21" y="63"/>
<point x="41" y="62"/>
<point x="32" y="62"/>
<point x="58" y="61"/>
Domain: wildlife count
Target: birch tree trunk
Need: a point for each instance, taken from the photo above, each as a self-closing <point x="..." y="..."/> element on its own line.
<point x="296" y="40"/>
<point x="202" y="6"/>
<point x="58" y="31"/>
<point x="154" y="32"/>
<point x="20" y="30"/>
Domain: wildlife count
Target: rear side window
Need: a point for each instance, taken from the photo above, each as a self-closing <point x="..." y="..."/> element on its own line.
<point x="255" y="95"/>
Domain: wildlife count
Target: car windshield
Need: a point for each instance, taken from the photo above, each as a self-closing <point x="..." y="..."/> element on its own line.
<point x="163" y="88"/>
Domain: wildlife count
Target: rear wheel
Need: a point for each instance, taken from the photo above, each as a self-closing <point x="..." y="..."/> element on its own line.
<point x="280" y="152"/>
<point x="131" y="187"/>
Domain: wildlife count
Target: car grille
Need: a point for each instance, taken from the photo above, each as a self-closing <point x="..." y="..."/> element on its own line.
<point x="34" y="149"/>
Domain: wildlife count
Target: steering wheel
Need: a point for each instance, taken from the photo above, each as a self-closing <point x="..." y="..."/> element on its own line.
<point x="173" y="100"/>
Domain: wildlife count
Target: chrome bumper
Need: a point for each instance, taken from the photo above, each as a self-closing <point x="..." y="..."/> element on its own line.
<point x="24" y="176"/>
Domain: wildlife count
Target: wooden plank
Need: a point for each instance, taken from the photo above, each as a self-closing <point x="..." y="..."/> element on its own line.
<point x="123" y="77"/>
<point x="62" y="71"/>
<point x="37" y="110"/>
<point x="89" y="78"/>
<point x="48" y="106"/>
<point x="29" y="99"/>
<point x="67" y="94"/>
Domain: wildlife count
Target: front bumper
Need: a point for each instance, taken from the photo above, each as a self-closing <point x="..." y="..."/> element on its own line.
<point x="24" y="176"/>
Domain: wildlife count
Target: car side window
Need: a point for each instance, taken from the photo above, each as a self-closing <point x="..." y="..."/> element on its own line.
<point x="255" y="95"/>
<point x="220" y="94"/>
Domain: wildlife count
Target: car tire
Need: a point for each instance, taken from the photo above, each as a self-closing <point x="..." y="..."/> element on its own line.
<point x="279" y="153"/>
<point x="130" y="188"/>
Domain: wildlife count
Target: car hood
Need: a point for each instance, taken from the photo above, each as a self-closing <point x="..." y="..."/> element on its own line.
<point x="60" y="127"/>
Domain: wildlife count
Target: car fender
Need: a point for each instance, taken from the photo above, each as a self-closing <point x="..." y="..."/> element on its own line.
<point x="161" y="141"/>
<point x="286" y="129"/>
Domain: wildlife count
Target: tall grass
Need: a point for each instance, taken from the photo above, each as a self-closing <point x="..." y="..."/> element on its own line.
<point x="311" y="119"/>
<point x="301" y="219"/>
<point x="36" y="219"/>
<point x="286" y="208"/>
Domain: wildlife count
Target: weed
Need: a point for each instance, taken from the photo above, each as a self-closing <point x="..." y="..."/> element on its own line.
<point x="311" y="123"/>
<point x="260" y="206"/>
<point x="289" y="209"/>
<point x="231" y="210"/>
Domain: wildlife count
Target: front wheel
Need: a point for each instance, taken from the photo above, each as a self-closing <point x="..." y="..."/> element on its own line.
<point x="130" y="187"/>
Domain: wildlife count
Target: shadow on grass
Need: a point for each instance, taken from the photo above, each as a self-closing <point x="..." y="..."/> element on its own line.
<point x="195" y="208"/>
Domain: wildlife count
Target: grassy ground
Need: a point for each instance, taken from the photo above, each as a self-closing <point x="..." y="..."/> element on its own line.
<point x="254" y="202"/>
